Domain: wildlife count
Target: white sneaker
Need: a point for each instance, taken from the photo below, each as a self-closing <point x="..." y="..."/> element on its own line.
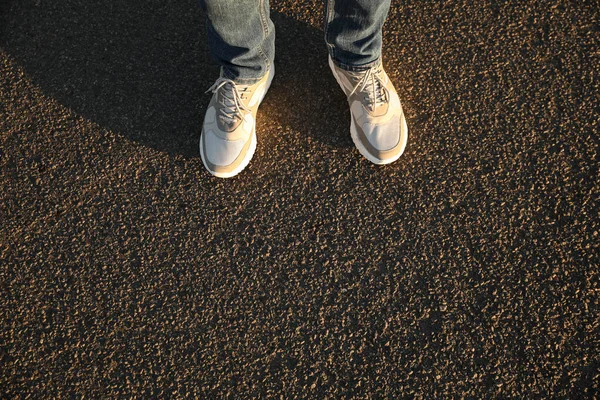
<point x="377" y="126"/>
<point x="228" y="138"/>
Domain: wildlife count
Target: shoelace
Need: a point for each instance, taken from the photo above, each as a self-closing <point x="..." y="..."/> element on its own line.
<point x="232" y="99"/>
<point x="376" y="90"/>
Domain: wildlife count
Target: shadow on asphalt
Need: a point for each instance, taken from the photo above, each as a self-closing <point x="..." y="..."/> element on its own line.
<point x="141" y="69"/>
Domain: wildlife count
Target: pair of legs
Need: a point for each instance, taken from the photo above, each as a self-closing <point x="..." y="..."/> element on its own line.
<point x="241" y="34"/>
<point x="241" y="38"/>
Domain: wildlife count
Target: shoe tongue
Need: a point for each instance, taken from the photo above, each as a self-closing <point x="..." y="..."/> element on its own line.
<point x="372" y="87"/>
<point x="229" y="112"/>
<point x="375" y="88"/>
<point x="227" y="95"/>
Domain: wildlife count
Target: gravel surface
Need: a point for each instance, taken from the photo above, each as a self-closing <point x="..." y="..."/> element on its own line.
<point x="469" y="268"/>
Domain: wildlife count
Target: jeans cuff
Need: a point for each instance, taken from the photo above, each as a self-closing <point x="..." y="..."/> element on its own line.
<point x="225" y="73"/>
<point x="356" y="68"/>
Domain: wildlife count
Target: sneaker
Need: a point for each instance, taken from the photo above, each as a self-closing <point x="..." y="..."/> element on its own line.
<point x="377" y="126"/>
<point x="228" y="138"/>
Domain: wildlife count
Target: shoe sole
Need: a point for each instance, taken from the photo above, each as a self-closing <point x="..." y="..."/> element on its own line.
<point x="250" y="153"/>
<point x="358" y="144"/>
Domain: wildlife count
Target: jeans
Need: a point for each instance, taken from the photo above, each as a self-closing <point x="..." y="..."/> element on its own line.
<point x="241" y="35"/>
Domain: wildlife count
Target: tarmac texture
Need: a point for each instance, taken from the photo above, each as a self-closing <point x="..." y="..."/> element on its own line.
<point x="467" y="269"/>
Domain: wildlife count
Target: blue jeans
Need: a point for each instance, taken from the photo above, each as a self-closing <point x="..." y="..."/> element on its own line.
<point x="241" y="35"/>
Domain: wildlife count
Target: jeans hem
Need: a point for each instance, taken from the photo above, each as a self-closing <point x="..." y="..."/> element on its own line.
<point x="225" y="73"/>
<point x="356" y="68"/>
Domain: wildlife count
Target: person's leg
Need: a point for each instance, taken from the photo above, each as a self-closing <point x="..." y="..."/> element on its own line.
<point x="353" y="36"/>
<point x="241" y="37"/>
<point x="353" y="31"/>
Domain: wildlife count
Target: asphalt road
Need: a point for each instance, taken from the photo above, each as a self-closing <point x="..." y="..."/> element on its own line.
<point x="469" y="268"/>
